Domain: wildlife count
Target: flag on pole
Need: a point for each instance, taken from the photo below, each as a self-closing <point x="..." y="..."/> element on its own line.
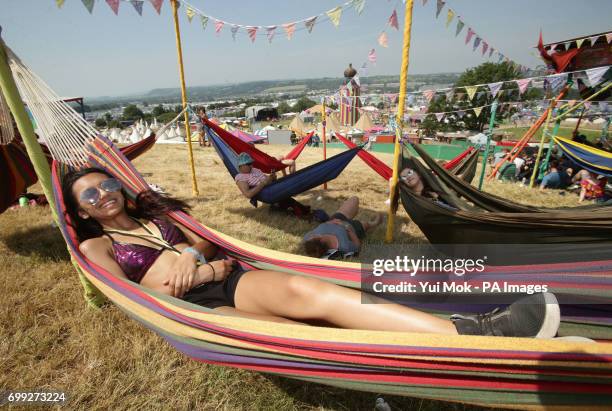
<point x="289" y="29"/>
<point x="334" y="15"/>
<point x="310" y="22"/>
<point x="393" y="20"/>
<point x="383" y="40"/>
<point x="114" y="5"/>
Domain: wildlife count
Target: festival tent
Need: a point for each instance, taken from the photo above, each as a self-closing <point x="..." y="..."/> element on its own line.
<point x="297" y="126"/>
<point x="364" y="123"/>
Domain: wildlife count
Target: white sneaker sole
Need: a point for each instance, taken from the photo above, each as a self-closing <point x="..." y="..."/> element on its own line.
<point x="552" y="318"/>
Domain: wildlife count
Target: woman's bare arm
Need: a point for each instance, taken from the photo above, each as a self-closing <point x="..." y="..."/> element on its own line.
<point x="100" y="252"/>
<point x="251" y="192"/>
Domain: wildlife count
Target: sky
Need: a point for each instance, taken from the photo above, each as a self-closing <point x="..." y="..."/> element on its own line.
<point x="101" y="54"/>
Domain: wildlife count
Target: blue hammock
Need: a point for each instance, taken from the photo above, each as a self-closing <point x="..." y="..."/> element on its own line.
<point x="293" y="184"/>
<point x="589" y="158"/>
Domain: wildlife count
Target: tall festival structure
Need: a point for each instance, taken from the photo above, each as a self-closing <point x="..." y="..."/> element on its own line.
<point x="349" y="97"/>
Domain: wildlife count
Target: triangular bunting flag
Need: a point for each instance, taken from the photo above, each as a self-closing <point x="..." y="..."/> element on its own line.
<point x="595" y="75"/>
<point x="429" y="95"/>
<point x="439" y="116"/>
<point x="501" y="57"/>
<point x="310" y="22"/>
<point x="358" y="5"/>
<point x="587" y="105"/>
<point x="480" y="94"/>
<point x="477" y="111"/>
<point x="460" y="25"/>
<point x="289" y="29"/>
<point x="469" y="35"/>
<point x="593" y="40"/>
<point x="609" y="38"/>
<point x="393" y="20"/>
<point x="556" y="82"/>
<point x="579" y="43"/>
<point x="450" y="14"/>
<point x="372" y="56"/>
<point x="114" y="5"/>
<point x="495" y="87"/>
<point x="334" y="15"/>
<point x="449" y="95"/>
<point x="491" y="51"/>
<point x="252" y="31"/>
<point x="89" y="5"/>
<point x="485" y="47"/>
<point x="157" y="5"/>
<point x="270" y="31"/>
<point x="219" y="26"/>
<point x="234" y="30"/>
<point x="476" y="43"/>
<point x="603" y="106"/>
<point x="383" y="40"/>
<point x="439" y="6"/>
<point x="59" y="3"/>
<point x="460" y="113"/>
<point x="471" y="91"/>
<point x="137" y="6"/>
<point x="190" y="12"/>
<point x="523" y="84"/>
<point x="363" y="70"/>
<point x="204" y="21"/>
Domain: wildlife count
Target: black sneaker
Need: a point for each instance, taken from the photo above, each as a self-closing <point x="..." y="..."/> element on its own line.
<point x="536" y="316"/>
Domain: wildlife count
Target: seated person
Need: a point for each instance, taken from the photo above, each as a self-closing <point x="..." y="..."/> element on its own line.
<point x="140" y="244"/>
<point x="341" y="232"/>
<point x="554" y="178"/>
<point x="592" y="187"/>
<point x="251" y="181"/>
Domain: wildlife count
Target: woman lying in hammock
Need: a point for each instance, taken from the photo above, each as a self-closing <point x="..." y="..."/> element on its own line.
<point x="140" y="244"/>
<point x="411" y="179"/>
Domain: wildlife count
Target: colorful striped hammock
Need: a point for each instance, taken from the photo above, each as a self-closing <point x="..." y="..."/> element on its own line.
<point x="492" y="371"/>
<point x="589" y="158"/>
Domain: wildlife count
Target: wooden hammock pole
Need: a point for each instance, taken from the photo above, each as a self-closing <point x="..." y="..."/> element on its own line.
<point x="579" y="121"/>
<point x="7" y="85"/>
<point x="488" y="146"/>
<point x="553" y="103"/>
<point x="551" y="144"/>
<point x="324" y="119"/>
<point x="399" y="119"/>
<point x="179" y="51"/>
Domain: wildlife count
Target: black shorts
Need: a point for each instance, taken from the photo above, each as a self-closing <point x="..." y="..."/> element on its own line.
<point x="356" y="224"/>
<point x="215" y="294"/>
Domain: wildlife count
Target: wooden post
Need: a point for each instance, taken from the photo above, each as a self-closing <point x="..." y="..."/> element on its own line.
<point x="324" y="120"/>
<point x="553" y="103"/>
<point x="179" y="51"/>
<point x="488" y="146"/>
<point x="399" y="118"/>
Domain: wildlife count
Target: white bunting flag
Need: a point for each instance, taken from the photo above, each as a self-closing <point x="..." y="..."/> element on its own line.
<point x="495" y="87"/>
<point x="596" y="74"/>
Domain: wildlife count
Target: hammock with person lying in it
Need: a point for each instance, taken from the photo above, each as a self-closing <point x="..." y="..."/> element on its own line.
<point x="261" y="160"/>
<point x="464" y="165"/>
<point x="289" y="185"/>
<point x="587" y="157"/>
<point x="492" y="371"/>
<point x="452" y="220"/>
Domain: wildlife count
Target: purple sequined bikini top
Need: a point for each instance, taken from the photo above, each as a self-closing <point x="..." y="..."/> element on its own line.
<point x="136" y="259"/>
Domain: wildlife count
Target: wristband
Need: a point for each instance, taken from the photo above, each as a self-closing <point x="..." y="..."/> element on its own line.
<point x="213" y="270"/>
<point x="198" y="255"/>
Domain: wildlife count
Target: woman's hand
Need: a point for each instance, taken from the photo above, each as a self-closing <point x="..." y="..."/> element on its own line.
<point x="221" y="268"/>
<point x="182" y="275"/>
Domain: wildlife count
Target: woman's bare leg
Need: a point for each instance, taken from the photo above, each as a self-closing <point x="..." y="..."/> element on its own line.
<point x="237" y="313"/>
<point x="300" y="298"/>
<point x="349" y="208"/>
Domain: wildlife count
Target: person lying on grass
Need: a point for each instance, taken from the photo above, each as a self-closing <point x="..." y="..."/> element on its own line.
<point x="141" y="244"/>
<point x="251" y="181"/>
<point x="342" y="232"/>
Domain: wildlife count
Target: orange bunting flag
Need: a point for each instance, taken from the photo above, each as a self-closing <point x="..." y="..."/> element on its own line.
<point x="334" y="15"/>
<point x="289" y="29"/>
<point x="429" y="95"/>
<point x="157" y="5"/>
<point x="252" y="31"/>
<point x="383" y="40"/>
<point x="114" y="5"/>
<point x="450" y="14"/>
<point x="393" y="20"/>
<point x="471" y="91"/>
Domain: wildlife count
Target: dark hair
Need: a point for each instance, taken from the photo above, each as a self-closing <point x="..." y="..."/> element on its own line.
<point x="315" y="247"/>
<point x="149" y="204"/>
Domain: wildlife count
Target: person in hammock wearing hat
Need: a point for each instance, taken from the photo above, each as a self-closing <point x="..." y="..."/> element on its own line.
<point x="251" y="181"/>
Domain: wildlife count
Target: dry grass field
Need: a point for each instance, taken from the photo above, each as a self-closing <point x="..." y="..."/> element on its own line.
<point x="103" y="360"/>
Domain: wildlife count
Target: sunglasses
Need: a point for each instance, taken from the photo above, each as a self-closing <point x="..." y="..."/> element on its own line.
<point x="407" y="173"/>
<point x="91" y="195"/>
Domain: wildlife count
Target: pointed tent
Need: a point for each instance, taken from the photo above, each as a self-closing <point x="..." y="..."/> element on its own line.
<point x="297" y="126"/>
<point x="364" y="123"/>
